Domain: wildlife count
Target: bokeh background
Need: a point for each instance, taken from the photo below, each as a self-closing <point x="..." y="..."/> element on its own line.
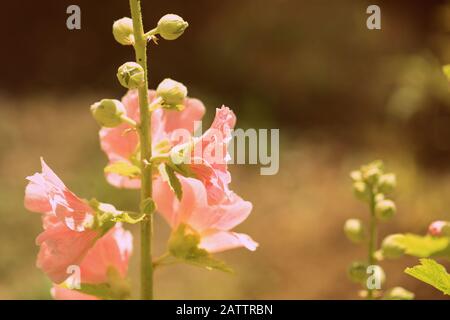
<point x="342" y="95"/>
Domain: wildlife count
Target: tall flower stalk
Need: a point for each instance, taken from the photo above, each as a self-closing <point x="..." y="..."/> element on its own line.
<point x="140" y="48"/>
<point x="371" y="184"/>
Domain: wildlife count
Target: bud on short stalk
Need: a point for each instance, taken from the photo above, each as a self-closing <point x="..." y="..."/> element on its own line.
<point x="439" y="228"/>
<point x="357" y="272"/>
<point x="172" y="93"/>
<point x="171" y="26"/>
<point x="123" y="31"/>
<point x="131" y="75"/>
<point x="108" y="112"/>
<point x="354" y="230"/>
<point x="385" y="209"/>
<point x="387" y="183"/>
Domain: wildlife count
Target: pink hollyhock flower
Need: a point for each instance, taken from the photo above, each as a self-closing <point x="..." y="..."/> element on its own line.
<point x="61" y="247"/>
<point x="120" y="143"/>
<point x="46" y="193"/>
<point x="210" y="155"/>
<point x="212" y="222"/>
<point x="113" y="250"/>
<point x="435" y="228"/>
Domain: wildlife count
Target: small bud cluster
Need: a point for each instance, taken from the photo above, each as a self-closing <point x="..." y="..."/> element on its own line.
<point x="371" y="184"/>
<point x="131" y="75"/>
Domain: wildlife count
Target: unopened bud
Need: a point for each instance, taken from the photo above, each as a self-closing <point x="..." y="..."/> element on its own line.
<point x="385" y="209"/>
<point x="172" y="93"/>
<point x="398" y="293"/>
<point x="392" y="246"/>
<point x="131" y="75"/>
<point x="123" y="31"/>
<point x="387" y="183"/>
<point x="361" y="190"/>
<point x="357" y="272"/>
<point x="439" y="228"/>
<point x="171" y="26"/>
<point x="108" y="113"/>
<point x="354" y="230"/>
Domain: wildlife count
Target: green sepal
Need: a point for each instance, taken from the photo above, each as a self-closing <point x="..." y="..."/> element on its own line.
<point x="433" y="273"/>
<point x="168" y="174"/>
<point x="107" y="216"/>
<point x="123" y="168"/>
<point x="116" y="288"/>
<point x="183" y="245"/>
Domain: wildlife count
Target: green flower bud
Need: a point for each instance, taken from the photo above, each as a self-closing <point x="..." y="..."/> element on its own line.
<point x="356" y="175"/>
<point x="131" y="75"/>
<point x="171" y="26"/>
<point x="361" y="190"/>
<point x="108" y="112"/>
<point x="385" y="209"/>
<point x="387" y="183"/>
<point x="354" y="230"/>
<point x="398" y="293"/>
<point x="173" y="94"/>
<point x="392" y="246"/>
<point x="123" y="31"/>
<point x="372" y="171"/>
<point x="357" y="272"/>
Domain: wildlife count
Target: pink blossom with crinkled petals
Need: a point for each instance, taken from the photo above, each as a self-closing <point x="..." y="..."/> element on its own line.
<point x="213" y="222"/>
<point x="61" y="247"/>
<point x="210" y="155"/>
<point x="121" y="143"/>
<point x="113" y="250"/>
<point x="47" y="194"/>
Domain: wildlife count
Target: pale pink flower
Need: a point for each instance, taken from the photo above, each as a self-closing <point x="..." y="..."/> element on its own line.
<point x="113" y="250"/>
<point x="46" y="193"/>
<point x="61" y="247"/>
<point x="435" y="228"/>
<point x="210" y="155"/>
<point x="212" y="222"/>
<point x="121" y="143"/>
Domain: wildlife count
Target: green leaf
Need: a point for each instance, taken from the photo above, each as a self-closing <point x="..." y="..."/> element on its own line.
<point x="183" y="245"/>
<point x="169" y="175"/>
<point x="423" y="246"/>
<point x="123" y="168"/>
<point x="432" y="273"/>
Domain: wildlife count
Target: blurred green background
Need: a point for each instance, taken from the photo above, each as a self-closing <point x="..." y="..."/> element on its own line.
<point x="342" y="95"/>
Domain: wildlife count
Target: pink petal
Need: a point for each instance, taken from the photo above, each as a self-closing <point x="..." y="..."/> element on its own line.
<point x="223" y="240"/>
<point x="112" y="250"/>
<point x="61" y="247"/>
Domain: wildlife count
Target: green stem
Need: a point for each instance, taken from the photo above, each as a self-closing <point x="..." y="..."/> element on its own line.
<point x="372" y="238"/>
<point x="144" y="129"/>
